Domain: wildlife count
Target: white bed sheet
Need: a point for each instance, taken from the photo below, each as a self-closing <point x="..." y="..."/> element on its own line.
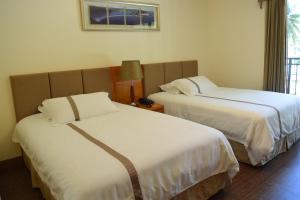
<point x="257" y="127"/>
<point x="170" y="154"/>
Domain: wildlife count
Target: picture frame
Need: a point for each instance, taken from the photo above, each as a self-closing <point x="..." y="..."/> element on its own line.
<point x="102" y="15"/>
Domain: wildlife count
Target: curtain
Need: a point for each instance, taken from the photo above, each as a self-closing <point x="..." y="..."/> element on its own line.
<point x="275" y="50"/>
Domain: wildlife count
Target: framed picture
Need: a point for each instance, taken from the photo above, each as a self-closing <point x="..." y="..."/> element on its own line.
<point x="111" y="15"/>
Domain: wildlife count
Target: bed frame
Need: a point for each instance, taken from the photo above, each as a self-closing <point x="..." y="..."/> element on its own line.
<point x="30" y="90"/>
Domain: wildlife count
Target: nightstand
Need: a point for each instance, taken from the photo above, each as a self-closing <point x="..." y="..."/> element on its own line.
<point x="155" y="107"/>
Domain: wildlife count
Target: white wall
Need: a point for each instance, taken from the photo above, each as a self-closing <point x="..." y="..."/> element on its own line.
<point x="46" y="35"/>
<point x="235" y="43"/>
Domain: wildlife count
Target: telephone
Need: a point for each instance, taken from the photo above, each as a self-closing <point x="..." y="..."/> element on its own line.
<point x="145" y="101"/>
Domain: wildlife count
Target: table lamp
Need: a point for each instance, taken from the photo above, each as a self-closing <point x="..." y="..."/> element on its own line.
<point x="130" y="71"/>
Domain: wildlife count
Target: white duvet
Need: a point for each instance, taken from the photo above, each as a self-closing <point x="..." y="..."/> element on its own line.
<point x="255" y="126"/>
<point x="169" y="154"/>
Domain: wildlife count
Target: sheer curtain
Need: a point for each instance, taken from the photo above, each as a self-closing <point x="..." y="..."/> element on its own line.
<point x="275" y="51"/>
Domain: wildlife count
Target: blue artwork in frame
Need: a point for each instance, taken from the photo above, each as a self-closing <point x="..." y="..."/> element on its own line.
<point x="133" y="17"/>
<point x="147" y="17"/>
<point x="110" y="15"/>
<point x="116" y="16"/>
<point x="98" y="15"/>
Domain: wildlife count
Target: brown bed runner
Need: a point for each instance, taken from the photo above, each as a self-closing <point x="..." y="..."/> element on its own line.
<point x="74" y="109"/>
<point x="125" y="161"/>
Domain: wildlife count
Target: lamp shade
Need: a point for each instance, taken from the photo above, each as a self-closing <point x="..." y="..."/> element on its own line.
<point x="131" y="70"/>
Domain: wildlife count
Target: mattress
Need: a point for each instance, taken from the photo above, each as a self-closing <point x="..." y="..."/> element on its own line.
<point x="170" y="154"/>
<point x="256" y="119"/>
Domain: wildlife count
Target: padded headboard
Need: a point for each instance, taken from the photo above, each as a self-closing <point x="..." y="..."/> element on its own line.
<point x="160" y="73"/>
<point x="30" y="90"/>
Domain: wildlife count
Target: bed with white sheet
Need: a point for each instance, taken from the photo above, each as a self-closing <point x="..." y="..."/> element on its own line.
<point x="264" y="123"/>
<point x="85" y="146"/>
<point x="168" y="159"/>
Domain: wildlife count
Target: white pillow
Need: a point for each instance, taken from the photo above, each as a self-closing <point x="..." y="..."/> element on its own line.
<point x="194" y="85"/>
<point x="204" y="83"/>
<point x="93" y="104"/>
<point x="186" y="86"/>
<point x="170" y="88"/>
<point x="59" y="110"/>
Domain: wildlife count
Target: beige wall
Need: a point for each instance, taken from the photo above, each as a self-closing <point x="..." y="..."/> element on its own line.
<point x="45" y="35"/>
<point x="235" y="43"/>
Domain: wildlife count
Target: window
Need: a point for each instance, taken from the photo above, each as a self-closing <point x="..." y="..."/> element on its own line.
<point x="293" y="33"/>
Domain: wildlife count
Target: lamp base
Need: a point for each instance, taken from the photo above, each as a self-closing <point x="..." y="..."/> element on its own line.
<point x="132" y="95"/>
<point x="133" y="104"/>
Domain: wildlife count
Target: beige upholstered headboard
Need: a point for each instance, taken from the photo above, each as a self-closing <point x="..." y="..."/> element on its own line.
<point x="160" y="73"/>
<point x="30" y="90"/>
